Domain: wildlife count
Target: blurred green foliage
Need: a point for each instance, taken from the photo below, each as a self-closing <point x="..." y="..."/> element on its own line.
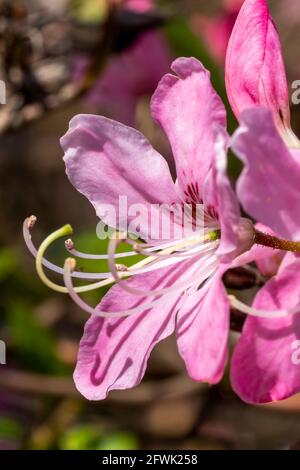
<point x="8" y="262"/>
<point x="10" y="428"/>
<point x="33" y="344"/>
<point x="91" y="437"/>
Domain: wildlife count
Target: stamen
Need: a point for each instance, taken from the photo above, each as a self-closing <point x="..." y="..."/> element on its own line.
<point x="146" y="247"/>
<point x="31" y="221"/>
<point x="62" y="232"/>
<point x="119" y="271"/>
<point x="138" y="268"/>
<point x="52" y="266"/>
<point x="183" y="253"/>
<point x="179" y="286"/>
<point x="79" y="254"/>
<point x="66" y="230"/>
<point x="242" y="307"/>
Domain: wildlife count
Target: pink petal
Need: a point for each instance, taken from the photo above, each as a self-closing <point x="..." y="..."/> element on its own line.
<point x="265" y="364"/>
<point x="269" y="265"/>
<point x="268" y="187"/>
<point x="188" y="109"/>
<point x="220" y="198"/>
<point x="105" y="160"/>
<point x="202" y="332"/>
<point x="113" y="353"/>
<point x="255" y="72"/>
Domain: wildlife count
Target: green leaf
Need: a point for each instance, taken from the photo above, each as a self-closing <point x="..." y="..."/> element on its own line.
<point x="32" y="342"/>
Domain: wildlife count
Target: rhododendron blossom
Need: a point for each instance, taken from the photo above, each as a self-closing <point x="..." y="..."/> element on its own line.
<point x="177" y="286"/>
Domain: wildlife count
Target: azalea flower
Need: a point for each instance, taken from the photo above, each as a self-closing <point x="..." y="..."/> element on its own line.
<point x="262" y="366"/>
<point x="178" y="286"/>
<point x="105" y="159"/>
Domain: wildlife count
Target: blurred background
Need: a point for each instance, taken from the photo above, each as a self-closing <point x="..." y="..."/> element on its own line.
<point x="65" y="57"/>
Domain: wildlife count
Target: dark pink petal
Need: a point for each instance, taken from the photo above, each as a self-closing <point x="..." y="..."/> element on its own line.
<point x="189" y="110"/>
<point x="202" y="332"/>
<point x="105" y="159"/>
<point x="265" y="364"/>
<point x="255" y="72"/>
<point x="268" y="187"/>
<point x="113" y="353"/>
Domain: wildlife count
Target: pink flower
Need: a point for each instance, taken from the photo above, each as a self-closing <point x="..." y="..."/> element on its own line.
<point x="105" y="159"/>
<point x="178" y="286"/>
<point x="263" y="368"/>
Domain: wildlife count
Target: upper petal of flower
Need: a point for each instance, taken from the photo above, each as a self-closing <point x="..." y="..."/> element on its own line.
<point x="202" y="332"/>
<point x="255" y="72"/>
<point x="189" y="110"/>
<point x="105" y="159"/>
<point x="268" y="187"/>
<point x="264" y="367"/>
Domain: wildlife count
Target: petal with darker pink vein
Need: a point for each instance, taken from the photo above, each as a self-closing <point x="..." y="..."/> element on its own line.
<point x="113" y="353"/>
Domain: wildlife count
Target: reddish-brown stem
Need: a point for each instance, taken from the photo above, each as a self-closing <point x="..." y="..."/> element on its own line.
<point x="265" y="239"/>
